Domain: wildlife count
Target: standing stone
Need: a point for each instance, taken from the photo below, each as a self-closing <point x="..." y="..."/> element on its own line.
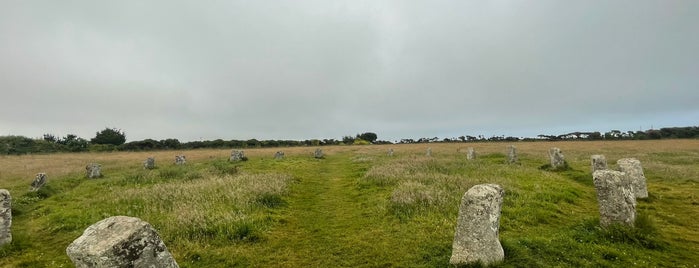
<point x="318" y="153"/>
<point x="390" y="152"/>
<point x="180" y="160"/>
<point x="557" y="158"/>
<point x="511" y="154"/>
<point x="470" y="153"/>
<point x="93" y="170"/>
<point x="429" y="151"/>
<point x="599" y="162"/>
<point x="120" y="241"/>
<point x="237" y="155"/>
<point x="477" y="229"/>
<point x="38" y="182"/>
<point x="279" y="155"/>
<point x="615" y="196"/>
<point x="5" y="217"/>
<point x="149" y="163"/>
<point x="632" y="168"/>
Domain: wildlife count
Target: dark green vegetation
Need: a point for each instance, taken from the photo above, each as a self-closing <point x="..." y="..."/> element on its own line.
<point x="361" y="208"/>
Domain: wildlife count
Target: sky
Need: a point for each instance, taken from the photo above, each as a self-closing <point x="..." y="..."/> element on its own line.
<point x="205" y="70"/>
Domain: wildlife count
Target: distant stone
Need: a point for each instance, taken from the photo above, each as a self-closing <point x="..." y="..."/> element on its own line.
<point x="237" y="155"/>
<point x="390" y="152"/>
<point x="93" y="170"/>
<point x="180" y="160"/>
<point x="557" y="158"/>
<point x="598" y="162"/>
<point x="279" y="155"/>
<point x="429" y="151"/>
<point x="470" y="153"/>
<point x="632" y="168"/>
<point x="120" y="241"/>
<point x="149" y="163"/>
<point x="5" y="217"/>
<point x="615" y="197"/>
<point x="511" y="154"/>
<point x="38" y="182"/>
<point x="477" y="228"/>
<point x="318" y="153"/>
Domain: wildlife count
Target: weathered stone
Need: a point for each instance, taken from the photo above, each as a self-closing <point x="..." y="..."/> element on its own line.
<point x="318" y="153"/>
<point x="390" y="152"/>
<point x="120" y="241"/>
<point x="180" y="160"/>
<point x="93" y="170"/>
<point x="5" y="217"/>
<point x="632" y="168"/>
<point x="237" y="155"/>
<point x="38" y="182"/>
<point x="429" y="151"/>
<point x="149" y="163"/>
<point x="477" y="229"/>
<point x="511" y="154"/>
<point x="615" y="196"/>
<point x="470" y="153"/>
<point x="279" y="155"/>
<point x="557" y="158"/>
<point x="599" y="162"/>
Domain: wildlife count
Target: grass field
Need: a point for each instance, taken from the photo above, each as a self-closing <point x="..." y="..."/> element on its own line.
<point x="357" y="207"/>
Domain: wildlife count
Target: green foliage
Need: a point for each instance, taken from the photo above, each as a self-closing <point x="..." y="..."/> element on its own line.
<point x="111" y="136"/>
<point x="368" y="136"/>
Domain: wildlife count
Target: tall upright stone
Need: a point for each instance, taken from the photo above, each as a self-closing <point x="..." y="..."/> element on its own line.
<point x="318" y="153"/>
<point x="180" y="160"/>
<point x="279" y="155"/>
<point x="429" y="151"/>
<point x="237" y="155"/>
<point x="120" y="241"/>
<point x="149" y="163"/>
<point x="470" y="153"/>
<point x="511" y="154"/>
<point x="615" y="197"/>
<point x="632" y="167"/>
<point x="390" y="152"/>
<point x="598" y="162"/>
<point x="557" y="158"/>
<point x="93" y="170"/>
<point x="38" y="181"/>
<point x="5" y="217"/>
<point x="477" y="229"/>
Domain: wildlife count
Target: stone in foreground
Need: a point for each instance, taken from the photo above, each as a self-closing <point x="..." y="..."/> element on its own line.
<point x="180" y="160"/>
<point x="390" y="152"/>
<point x="318" y="153"/>
<point x="93" y="170"/>
<point x="149" y="163"/>
<point x="599" y="162"/>
<point x="237" y="155"/>
<point x="470" y="153"/>
<point x="279" y="155"/>
<point x="557" y="158"/>
<point x="429" y="152"/>
<point x="511" y="154"/>
<point x="477" y="229"/>
<point x="615" y="197"/>
<point x="38" y="182"/>
<point x="5" y="217"/>
<point x="632" y="168"/>
<point x="120" y="241"/>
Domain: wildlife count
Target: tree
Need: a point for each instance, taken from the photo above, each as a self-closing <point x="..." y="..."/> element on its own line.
<point x="109" y="136"/>
<point x="368" y="136"/>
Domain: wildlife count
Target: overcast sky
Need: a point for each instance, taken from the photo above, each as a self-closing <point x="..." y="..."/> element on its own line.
<point x="196" y="70"/>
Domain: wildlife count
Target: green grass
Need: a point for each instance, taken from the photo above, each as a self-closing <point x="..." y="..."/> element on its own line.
<point x="358" y="207"/>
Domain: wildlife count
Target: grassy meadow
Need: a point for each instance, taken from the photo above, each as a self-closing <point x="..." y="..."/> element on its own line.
<point x="358" y="207"/>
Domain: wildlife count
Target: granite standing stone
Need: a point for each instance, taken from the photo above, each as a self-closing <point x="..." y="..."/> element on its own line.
<point x="318" y="153"/>
<point x="390" y="152"/>
<point x="237" y="155"/>
<point x="615" y="197"/>
<point x="632" y="168"/>
<point x="180" y="160"/>
<point x="279" y="155"/>
<point x="120" y="241"/>
<point x="477" y="229"/>
<point x="511" y="154"/>
<point x="93" y="170"/>
<point x="598" y="162"/>
<point x="149" y="163"/>
<point x="557" y="158"/>
<point x="5" y="217"/>
<point x="470" y="153"/>
<point x="429" y="152"/>
<point x="38" y="182"/>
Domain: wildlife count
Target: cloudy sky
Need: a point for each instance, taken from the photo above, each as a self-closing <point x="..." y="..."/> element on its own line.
<point x="196" y="70"/>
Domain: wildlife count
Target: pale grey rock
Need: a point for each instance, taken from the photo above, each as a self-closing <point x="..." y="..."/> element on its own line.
<point x="93" y="170"/>
<point x="5" y="217"/>
<point x="470" y="153"/>
<point x="390" y="152"/>
<point x="557" y="158"/>
<point x="511" y="154"/>
<point x="149" y="163"/>
<point x="615" y="197"/>
<point x="632" y="168"/>
<point x="120" y="241"/>
<point x="237" y="155"/>
<point x="598" y="162"/>
<point x="429" y="151"/>
<point x="279" y="155"/>
<point x="38" y="181"/>
<point x="477" y="229"/>
<point x="180" y="160"/>
<point x="318" y="153"/>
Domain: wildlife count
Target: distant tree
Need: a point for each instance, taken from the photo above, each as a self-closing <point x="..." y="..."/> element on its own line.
<point x="50" y="138"/>
<point x="109" y="136"/>
<point x="74" y="143"/>
<point x="348" y="140"/>
<point x="368" y="136"/>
